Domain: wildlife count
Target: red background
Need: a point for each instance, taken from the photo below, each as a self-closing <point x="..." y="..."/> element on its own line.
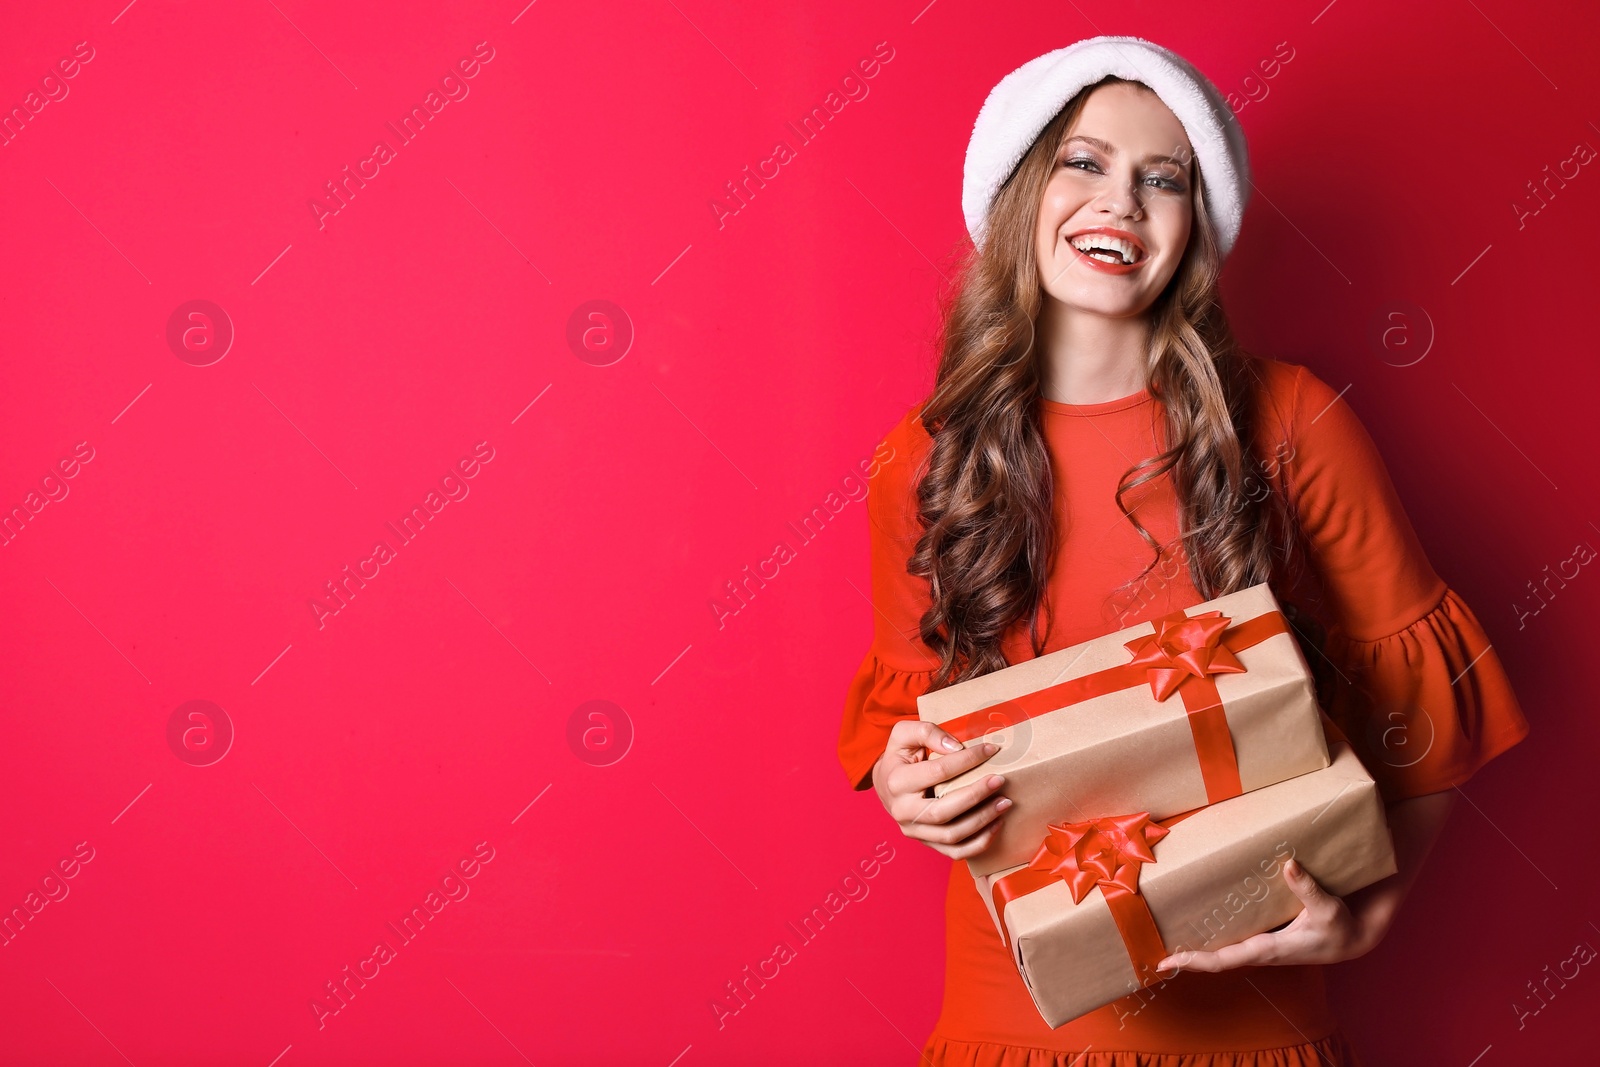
<point x="770" y="353"/>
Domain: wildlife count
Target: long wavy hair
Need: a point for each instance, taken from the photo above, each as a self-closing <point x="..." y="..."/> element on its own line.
<point x="985" y="495"/>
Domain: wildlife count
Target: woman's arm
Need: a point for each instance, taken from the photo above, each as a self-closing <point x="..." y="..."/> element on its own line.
<point x="1406" y="649"/>
<point x="1415" y="824"/>
<point x="1333" y="928"/>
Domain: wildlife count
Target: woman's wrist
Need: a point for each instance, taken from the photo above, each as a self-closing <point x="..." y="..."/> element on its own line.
<point x="1374" y="909"/>
<point x="1415" y="824"/>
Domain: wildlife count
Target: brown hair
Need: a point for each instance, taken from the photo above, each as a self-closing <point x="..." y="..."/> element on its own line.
<point x="985" y="495"/>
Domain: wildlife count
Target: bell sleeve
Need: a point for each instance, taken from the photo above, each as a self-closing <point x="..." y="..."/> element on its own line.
<point x="1417" y="687"/>
<point x="898" y="666"/>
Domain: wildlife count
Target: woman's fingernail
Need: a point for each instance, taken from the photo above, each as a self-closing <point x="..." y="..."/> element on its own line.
<point x="990" y="746"/>
<point x="1002" y="804"/>
<point x="995" y="781"/>
<point x="952" y="745"/>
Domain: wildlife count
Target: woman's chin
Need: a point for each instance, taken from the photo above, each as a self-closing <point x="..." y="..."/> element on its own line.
<point x="1106" y="305"/>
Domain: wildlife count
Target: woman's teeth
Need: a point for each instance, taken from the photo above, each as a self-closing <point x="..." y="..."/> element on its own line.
<point x="1106" y="249"/>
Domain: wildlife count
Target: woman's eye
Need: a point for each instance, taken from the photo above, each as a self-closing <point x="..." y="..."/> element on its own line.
<point x="1086" y="164"/>
<point x="1167" y="183"/>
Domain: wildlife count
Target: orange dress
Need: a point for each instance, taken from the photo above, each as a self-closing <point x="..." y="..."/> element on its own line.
<point x="1419" y="693"/>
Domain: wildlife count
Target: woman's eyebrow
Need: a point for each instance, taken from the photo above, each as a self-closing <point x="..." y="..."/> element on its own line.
<point x="1110" y="149"/>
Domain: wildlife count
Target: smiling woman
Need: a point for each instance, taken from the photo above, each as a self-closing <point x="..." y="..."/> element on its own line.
<point x="1108" y="248"/>
<point x="1118" y="205"/>
<point x="1095" y="427"/>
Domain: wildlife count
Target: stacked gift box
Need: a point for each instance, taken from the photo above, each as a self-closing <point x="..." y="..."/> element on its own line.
<point x="1159" y="776"/>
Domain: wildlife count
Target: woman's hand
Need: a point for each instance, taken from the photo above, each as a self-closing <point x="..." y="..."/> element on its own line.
<point x="1327" y="931"/>
<point x="957" y="824"/>
<point x="1331" y="929"/>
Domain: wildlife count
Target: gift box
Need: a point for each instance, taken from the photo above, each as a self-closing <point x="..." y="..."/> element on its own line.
<point x="1184" y="710"/>
<point x="1104" y="900"/>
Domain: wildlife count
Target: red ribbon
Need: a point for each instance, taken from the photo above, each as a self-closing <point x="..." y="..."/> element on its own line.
<point x="1181" y="656"/>
<point x="1106" y="853"/>
<point x="1184" y="647"/>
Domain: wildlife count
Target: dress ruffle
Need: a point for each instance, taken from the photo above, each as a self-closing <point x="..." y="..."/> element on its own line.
<point x="1335" y="1050"/>
<point x="1428" y="706"/>
<point x="879" y="697"/>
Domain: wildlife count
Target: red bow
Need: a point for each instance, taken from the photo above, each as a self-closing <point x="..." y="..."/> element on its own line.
<point x="1107" y="852"/>
<point x="1180" y="650"/>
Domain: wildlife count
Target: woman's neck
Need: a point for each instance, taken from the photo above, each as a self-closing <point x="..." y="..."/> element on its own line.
<point x="1090" y="359"/>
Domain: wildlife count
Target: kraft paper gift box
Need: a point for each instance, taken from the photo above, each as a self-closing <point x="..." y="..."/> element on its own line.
<point x="1104" y="901"/>
<point x="1165" y="716"/>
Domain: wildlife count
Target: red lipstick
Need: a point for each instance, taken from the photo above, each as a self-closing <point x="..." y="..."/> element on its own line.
<point x="1100" y="264"/>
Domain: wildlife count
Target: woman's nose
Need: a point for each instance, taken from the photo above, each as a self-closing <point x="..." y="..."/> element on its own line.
<point x="1123" y="201"/>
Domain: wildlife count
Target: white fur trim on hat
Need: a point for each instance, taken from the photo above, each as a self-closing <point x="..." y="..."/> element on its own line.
<point x="1025" y="101"/>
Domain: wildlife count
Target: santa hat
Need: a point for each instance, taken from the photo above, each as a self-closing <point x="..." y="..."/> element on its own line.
<point x="1025" y="101"/>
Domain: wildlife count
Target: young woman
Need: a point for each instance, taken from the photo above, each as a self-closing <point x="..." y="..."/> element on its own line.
<point x="1098" y="451"/>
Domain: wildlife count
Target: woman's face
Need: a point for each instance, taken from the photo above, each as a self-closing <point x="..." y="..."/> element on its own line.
<point x="1120" y="189"/>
